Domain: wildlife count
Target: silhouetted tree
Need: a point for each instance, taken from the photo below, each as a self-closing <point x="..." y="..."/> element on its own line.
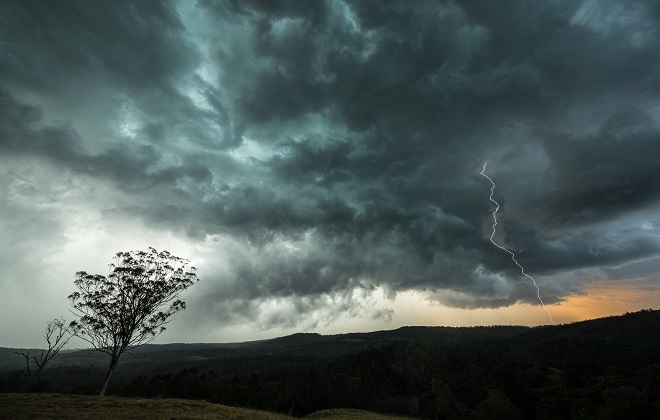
<point x="57" y="335"/>
<point x="130" y="306"/>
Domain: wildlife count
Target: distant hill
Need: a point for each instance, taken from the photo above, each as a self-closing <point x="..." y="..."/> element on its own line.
<point x="643" y="325"/>
<point x="300" y="344"/>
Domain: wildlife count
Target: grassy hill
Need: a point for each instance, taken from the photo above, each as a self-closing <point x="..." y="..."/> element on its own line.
<point x="57" y="406"/>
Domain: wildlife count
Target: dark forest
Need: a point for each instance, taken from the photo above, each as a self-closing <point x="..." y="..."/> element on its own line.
<point x="603" y="368"/>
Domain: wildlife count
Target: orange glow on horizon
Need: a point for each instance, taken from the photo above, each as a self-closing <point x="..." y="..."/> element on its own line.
<point x="611" y="297"/>
<point x="599" y="299"/>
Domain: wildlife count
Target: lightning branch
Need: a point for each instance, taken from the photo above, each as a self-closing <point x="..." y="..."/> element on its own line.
<point x="513" y="256"/>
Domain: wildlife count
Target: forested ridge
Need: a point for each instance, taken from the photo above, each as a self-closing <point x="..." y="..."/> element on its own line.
<point x="606" y="368"/>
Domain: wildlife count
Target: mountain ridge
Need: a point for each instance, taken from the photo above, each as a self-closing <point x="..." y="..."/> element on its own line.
<point x="612" y="327"/>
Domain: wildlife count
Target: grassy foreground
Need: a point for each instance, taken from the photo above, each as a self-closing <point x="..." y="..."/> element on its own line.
<point x="58" y="406"/>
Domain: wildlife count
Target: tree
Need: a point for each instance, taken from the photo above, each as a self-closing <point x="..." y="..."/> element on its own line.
<point x="58" y="333"/>
<point x="130" y="306"/>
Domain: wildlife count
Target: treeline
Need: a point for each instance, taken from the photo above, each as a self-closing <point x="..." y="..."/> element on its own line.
<point x="607" y="368"/>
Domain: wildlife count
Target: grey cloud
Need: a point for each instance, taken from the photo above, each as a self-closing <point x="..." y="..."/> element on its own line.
<point x="338" y="144"/>
<point x="52" y="43"/>
<point x="607" y="173"/>
<point x="609" y="246"/>
<point x="301" y="312"/>
<point x="642" y="269"/>
<point x="23" y="132"/>
<point x="27" y="218"/>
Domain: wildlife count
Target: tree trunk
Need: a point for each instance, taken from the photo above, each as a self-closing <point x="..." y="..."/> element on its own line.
<point x="35" y="379"/>
<point x="113" y="364"/>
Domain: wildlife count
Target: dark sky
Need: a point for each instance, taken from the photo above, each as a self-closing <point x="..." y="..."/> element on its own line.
<point x="317" y="159"/>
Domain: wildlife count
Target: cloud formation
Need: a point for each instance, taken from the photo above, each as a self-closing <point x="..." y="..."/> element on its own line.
<point x="325" y="150"/>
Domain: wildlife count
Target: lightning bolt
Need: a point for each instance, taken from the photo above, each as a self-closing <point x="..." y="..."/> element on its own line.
<point x="513" y="256"/>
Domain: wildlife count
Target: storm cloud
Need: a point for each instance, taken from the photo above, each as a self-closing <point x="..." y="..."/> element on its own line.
<point x="316" y="152"/>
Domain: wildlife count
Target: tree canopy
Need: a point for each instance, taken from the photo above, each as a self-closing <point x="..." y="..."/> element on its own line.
<point x="131" y="305"/>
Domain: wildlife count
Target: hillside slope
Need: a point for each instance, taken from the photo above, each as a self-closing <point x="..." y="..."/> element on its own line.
<point x="73" y="407"/>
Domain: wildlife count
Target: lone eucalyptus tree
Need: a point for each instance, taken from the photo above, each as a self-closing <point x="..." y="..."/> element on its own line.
<point x="130" y="306"/>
